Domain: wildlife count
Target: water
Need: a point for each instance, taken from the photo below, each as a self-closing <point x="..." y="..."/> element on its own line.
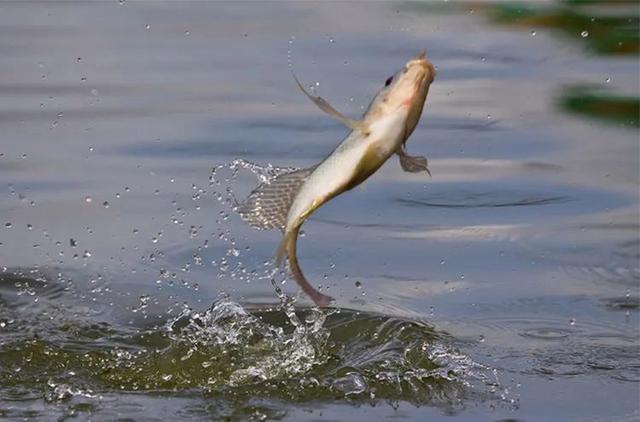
<point x="504" y="287"/>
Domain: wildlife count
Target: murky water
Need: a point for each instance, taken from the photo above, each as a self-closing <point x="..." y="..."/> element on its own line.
<point x="507" y="286"/>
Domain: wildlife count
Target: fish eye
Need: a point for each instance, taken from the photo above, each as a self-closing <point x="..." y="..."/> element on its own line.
<point x="388" y="81"/>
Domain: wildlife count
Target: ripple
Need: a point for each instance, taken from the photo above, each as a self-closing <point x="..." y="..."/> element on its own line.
<point x="546" y="333"/>
<point x="480" y="202"/>
<point x="624" y="303"/>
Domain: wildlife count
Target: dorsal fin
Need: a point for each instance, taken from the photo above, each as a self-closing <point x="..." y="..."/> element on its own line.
<point x="268" y="205"/>
<point x="331" y="111"/>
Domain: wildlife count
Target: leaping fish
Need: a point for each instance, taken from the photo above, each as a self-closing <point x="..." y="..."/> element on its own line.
<point x="286" y="201"/>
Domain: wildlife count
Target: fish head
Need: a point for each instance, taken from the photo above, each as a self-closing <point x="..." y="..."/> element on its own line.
<point x="405" y="91"/>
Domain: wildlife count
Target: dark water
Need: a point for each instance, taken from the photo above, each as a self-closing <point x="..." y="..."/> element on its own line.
<point x="507" y="286"/>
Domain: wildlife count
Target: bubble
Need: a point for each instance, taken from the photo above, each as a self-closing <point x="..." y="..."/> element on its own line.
<point x="88" y="199"/>
<point x="533" y="33"/>
<point x="105" y="204"/>
<point x="584" y="34"/>
<point x="8" y="225"/>
<point x="608" y="79"/>
<point x="358" y="284"/>
<point x="572" y="321"/>
<point x="94" y="92"/>
<point x="147" y="26"/>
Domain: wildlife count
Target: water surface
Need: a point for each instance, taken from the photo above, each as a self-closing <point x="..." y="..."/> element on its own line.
<point x="504" y="287"/>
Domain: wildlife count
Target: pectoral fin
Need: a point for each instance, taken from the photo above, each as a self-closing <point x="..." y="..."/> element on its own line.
<point x="412" y="164"/>
<point x="328" y="108"/>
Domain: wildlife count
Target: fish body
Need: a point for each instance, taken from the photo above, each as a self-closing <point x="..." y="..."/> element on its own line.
<point x="288" y="200"/>
<point x="355" y="159"/>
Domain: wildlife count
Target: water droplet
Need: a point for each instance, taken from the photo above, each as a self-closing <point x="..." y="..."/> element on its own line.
<point x="167" y="377"/>
<point x="94" y="92"/>
<point x="8" y="225"/>
<point x="442" y="262"/>
<point x="105" y="204"/>
<point x="331" y="40"/>
<point x="584" y="34"/>
<point x="147" y="26"/>
<point x="88" y="199"/>
<point x="187" y="32"/>
<point x="29" y="227"/>
<point x="154" y="239"/>
<point x="533" y="33"/>
<point x="572" y="321"/>
<point x="608" y="79"/>
<point x="481" y="339"/>
<point x="83" y="79"/>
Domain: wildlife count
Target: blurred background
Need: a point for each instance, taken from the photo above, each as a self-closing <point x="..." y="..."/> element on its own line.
<point x="521" y="252"/>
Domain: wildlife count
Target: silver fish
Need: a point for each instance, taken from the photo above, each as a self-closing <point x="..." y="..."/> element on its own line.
<point x="286" y="201"/>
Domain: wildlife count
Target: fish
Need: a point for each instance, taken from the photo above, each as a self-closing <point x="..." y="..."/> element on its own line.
<point x="286" y="201"/>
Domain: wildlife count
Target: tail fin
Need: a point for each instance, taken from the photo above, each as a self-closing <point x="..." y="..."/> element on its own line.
<point x="288" y="246"/>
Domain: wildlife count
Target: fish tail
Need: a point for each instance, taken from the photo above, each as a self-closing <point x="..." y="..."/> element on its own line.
<point x="288" y="247"/>
<point x="283" y="248"/>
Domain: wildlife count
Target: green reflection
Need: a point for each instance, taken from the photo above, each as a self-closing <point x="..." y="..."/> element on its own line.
<point x="604" y="27"/>
<point x="595" y="102"/>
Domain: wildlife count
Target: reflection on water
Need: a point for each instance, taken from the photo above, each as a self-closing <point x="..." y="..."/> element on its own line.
<point x="504" y="287"/>
<point x="604" y="26"/>
<point x="599" y="104"/>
